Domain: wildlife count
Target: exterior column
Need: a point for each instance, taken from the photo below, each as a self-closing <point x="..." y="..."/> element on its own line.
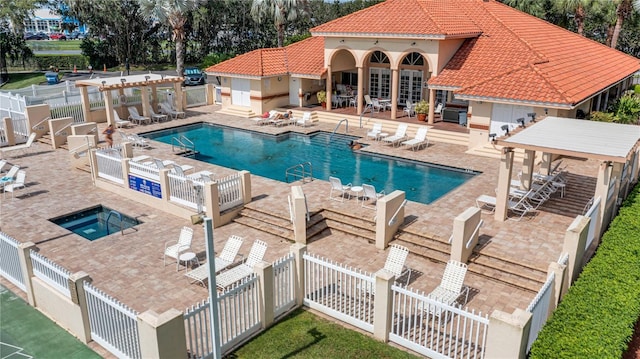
<point x="545" y="166"/>
<point x="298" y="250"/>
<point x="329" y="88"/>
<point x="24" y="257"/>
<point x="163" y="335"/>
<point x="179" y="102"/>
<point x="504" y="182"/>
<point x="558" y="287"/>
<point x="508" y="328"/>
<point x="360" y="89"/>
<point x="144" y="94"/>
<point x="246" y="186"/>
<point x="79" y="297"/>
<point x="394" y="93"/>
<point x="386" y="224"/>
<point x="432" y="106"/>
<point x="299" y="214"/>
<point x="602" y="191"/>
<point x="575" y="241"/>
<point x="527" y="168"/>
<point x="108" y="107"/>
<point x="382" y="305"/>
<point x="154" y="97"/>
<point x="86" y="106"/>
<point x="211" y="202"/>
<point x="464" y="227"/>
<point x="264" y="271"/>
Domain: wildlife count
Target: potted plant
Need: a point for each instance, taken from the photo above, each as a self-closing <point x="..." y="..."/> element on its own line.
<point x="422" y="109"/>
<point x="322" y="98"/>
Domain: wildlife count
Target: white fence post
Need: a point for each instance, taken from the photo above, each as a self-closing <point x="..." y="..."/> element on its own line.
<point x="24" y="254"/>
<point x="382" y="305"/>
<point x="574" y="243"/>
<point x="78" y="296"/>
<point x="298" y="250"/>
<point x="508" y="334"/>
<point x="264" y="271"/>
<point x="162" y="336"/>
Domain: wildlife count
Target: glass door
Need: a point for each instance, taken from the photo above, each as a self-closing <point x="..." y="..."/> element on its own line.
<point x="410" y="86"/>
<point x="379" y="82"/>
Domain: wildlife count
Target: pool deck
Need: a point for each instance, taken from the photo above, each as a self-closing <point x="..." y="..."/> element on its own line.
<point x="130" y="266"/>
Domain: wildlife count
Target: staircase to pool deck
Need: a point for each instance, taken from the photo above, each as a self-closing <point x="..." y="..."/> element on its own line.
<point x="426" y="246"/>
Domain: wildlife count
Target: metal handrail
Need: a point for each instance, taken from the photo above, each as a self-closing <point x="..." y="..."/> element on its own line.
<point x="292" y="215"/>
<point x="306" y="206"/>
<point x="338" y="126"/>
<point x="392" y="221"/>
<point x="64" y="128"/>
<point x="182" y="146"/>
<point x="37" y="125"/>
<point x="302" y="172"/>
<point x="365" y="111"/>
<point x="119" y="215"/>
<point x="474" y="233"/>
<point x="81" y="148"/>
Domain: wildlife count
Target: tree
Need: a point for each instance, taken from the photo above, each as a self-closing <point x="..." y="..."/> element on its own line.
<point x="623" y="12"/>
<point x="578" y="8"/>
<point x="281" y="11"/>
<point x="173" y="13"/>
<point x="17" y="11"/>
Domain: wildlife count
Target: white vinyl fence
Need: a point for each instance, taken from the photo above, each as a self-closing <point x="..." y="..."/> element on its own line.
<point x="110" y="166"/>
<point x="592" y="213"/>
<point x="61" y="110"/>
<point x="186" y="192"/>
<point x="9" y="261"/>
<point x="12" y="105"/>
<point x="51" y="273"/>
<point x="539" y="308"/>
<point x="196" y="96"/>
<point x="284" y="284"/>
<point x="149" y="171"/>
<point x="339" y="291"/>
<point x="230" y="192"/>
<point x="113" y="324"/>
<point x="435" y="329"/>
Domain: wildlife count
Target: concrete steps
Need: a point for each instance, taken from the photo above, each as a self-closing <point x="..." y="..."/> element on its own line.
<point x="239" y="111"/>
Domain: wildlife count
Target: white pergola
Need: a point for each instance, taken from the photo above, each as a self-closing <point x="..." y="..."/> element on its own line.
<point x="615" y="145"/>
<point x="144" y="82"/>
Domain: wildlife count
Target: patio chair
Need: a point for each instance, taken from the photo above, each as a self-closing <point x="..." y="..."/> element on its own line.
<point x="157" y="117"/>
<point x="23" y="146"/>
<point x="518" y="205"/>
<point x="120" y="123"/>
<point x="336" y="185"/>
<point x="398" y="137"/>
<point x="438" y="109"/>
<point x="2" y="164"/>
<point x="238" y="273"/>
<point x="368" y="103"/>
<point x="376" y="132"/>
<point x="17" y="184"/>
<point x="12" y="172"/>
<point x="371" y="194"/>
<point x="409" y="108"/>
<point x="420" y="139"/>
<point x="165" y="108"/>
<point x="136" y="139"/>
<point x="134" y="116"/>
<point x="376" y="105"/>
<point x="226" y="258"/>
<point x="305" y="120"/>
<point x="173" y="249"/>
<point x="451" y="286"/>
<point x="395" y="264"/>
<point x="176" y="168"/>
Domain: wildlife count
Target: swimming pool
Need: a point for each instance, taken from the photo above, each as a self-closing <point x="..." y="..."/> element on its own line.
<point x="95" y="222"/>
<point x="270" y="156"/>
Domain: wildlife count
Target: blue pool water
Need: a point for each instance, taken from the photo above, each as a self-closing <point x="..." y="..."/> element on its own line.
<point x="91" y="223"/>
<point x="270" y="156"/>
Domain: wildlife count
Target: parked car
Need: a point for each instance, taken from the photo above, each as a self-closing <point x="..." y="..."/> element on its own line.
<point x="36" y="36"/>
<point x="57" y="36"/>
<point x="76" y="35"/>
<point x="193" y="76"/>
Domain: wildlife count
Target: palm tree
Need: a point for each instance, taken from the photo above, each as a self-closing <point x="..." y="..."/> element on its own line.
<point x="579" y="10"/>
<point x="174" y="14"/>
<point x="281" y="11"/>
<point x="623" y="12"/>
<point x="531" y="7"/>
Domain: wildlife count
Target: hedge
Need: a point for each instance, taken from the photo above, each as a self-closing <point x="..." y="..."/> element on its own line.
<point x="62" y="62"/>
<point x="596" y="318"/>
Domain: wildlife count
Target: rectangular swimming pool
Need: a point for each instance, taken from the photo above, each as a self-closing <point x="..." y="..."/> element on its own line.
<point x="270" y="156"/>
<point x="95" y="222"/>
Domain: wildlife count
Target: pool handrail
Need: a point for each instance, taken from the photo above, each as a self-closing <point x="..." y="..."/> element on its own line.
<point x="119" y="215"/>
<point x="338" y="126"/>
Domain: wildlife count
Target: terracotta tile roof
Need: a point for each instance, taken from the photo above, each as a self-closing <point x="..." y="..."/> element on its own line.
<point x="305" y="57"/>
<point x="403" y="17"/>
<point x="524" y="58"/>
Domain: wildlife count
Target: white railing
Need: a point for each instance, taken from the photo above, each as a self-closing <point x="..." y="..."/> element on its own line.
<point x="436" y="329"/>
<point x="284" y="284"/>
<point x="110" y="166"/>
<point x="68" y="110"/>
<point x="196" y="96"/>
<point x="182" y="191"/>
<point x="539" y="308"/>
<point x="113" y="325"/>
<point x="239" y="315"/>
<point x="3" y="135"/>
<point x="51" y="273"/>
<point x="10" y="261"/>
<point x="338" y="291"/>
<point x="593" y="214"/>
<point x="149" y="171"/>
<point x="230" y="192"/>
<point x="13" y="106"/>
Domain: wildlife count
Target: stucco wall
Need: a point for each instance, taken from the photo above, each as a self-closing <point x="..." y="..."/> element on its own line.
<point x="59" y="308"/>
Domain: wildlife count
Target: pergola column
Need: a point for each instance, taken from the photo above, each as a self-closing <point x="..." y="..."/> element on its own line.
<point x="602" y="190"/>
<point x="154" y="97"/>
<point x="504" y="182"/>
<point x="545" y="165"/>
<point x="86" y="106"/>
<point x="527" y="168"/>
<point x="360" y="89"/>
<point x="329" y="88"/>
<point x="394" y="93"/>
<point x="178" y="91"/>
<point x="432" y="104"/>
<point x="108" y="107"/>
<point x="144" y="94"/>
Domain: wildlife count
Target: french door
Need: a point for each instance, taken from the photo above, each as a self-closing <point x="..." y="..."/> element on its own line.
<point x="379" y="82"/>
<point x="410" y="86"/>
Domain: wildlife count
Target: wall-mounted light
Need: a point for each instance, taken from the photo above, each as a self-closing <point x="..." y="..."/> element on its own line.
<point x="376" y="43"/>
<point x="521" y="122"/>
<point x="162" y="76"/>
<point x="279" y="78"/>
<point x="413" y="43"/>
<point x="147" y="78"/>
<point x="533" y="116"/>
<point x="123" y="80"/>
<point x="493" y="136"/>
<point x="506" y="150"/>
<point x="342" y="41"/>
<point x="104" y="83"/>
<point x="505" y="128"/>
<point x="546" y="111"/>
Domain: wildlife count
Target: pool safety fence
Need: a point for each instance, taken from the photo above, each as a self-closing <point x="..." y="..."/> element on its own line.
<point x="230" y="191"/>
<point x="195" y="96"/>
<point x="10" y="267"/>
<point x="109" y="167"/>
<point x="147" y="170"/>
<point x="73" y="110"/>
<point x="51" y="273"/>
<point x="592" y="213"/>
<point x="12" y="105"/>
<point x="186" y="192"/>
<point x="113" y="325"/>
<point x="284" y="285"/>
<point x="539" y="308"/>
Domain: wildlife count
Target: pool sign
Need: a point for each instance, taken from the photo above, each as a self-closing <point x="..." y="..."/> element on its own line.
<point x="145" y="186"/>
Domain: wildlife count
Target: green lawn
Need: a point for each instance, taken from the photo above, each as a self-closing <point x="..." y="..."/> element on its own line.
<point x="23" y="326"/>
<point x="304" y="335"/>
<point x="24" y="79"/>
<point x="40" y="45"/>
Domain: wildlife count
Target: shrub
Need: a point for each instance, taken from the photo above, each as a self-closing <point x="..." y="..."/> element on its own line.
<point x="45" y="62"/>
<point x="597" y="316"/>
<point x="601" y="116"/>
<point x="422" y="107"/>
<point x="213" y="59"/>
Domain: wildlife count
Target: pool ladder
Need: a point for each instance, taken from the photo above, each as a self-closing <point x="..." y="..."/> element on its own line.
<point x="117" y="214"/>
<point x="184" y="145"/>
<point x="346" y="130"/>
<point x="302" y="171"/>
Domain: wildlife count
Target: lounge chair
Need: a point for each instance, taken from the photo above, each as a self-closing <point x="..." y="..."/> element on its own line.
<point x="518" y="205"/>
<point x="305" y="120"/>
<point x="179" y="169"/>
<point x="395" y="264"/>
<point x="245" y="269"/>
<point x="376" y="132"/>
<point x="260" y="121"/>
<point x="371" y="194"/>
<point x="2" y="164"/>
<point x="134" y="116"/>
<point x="135" y="139"/>
<point x="420" y="139"/>
<point x="398" y="137"/>
<point x="226" y="258"/>
<point x="166" y="109"/>
<point x="336" y="185"/>
<point x="156" y="117"/>
<point x="120" y="123"/>
<point x="451" y="286"/>
<point x="11" y="173"/>
<point x="173" y="249"/>
<point x="24" y="146"/>
<point x="17" y="184"/>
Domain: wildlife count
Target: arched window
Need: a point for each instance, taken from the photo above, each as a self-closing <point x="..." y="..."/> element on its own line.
<point x="378" y="57"/>
<point x="413" y="59"/>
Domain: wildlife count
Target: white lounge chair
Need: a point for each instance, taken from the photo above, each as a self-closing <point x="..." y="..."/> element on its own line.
<point x="157" y="117"/>
<point x="245" y="269"/>
<point x="336" y="185"/>
<point x="12" y="172"/>
<point x="166" y="109"/>
<point x="17" y="184"/>
<point x="376" y="132"/>
<point x="135" y="116"/>
<point x="23" y="147"/>
<point x="135" y="139"/>
<point x="2" y="164"/>
<point x="519" y="206"/>
<point x="420" y="139"/>
<point x="451" y="286"/>
<point x="173" y="249"/>
<point x="120" y="123"/>
<point x="438" y="109"/>
<point x="226" y="258"/>
<point x="305" y="120"/>
<point x="371" y="194"/>
<point x="395" y="264"/>
<point x="398" y="137"/>
<point x="176" y="168"/>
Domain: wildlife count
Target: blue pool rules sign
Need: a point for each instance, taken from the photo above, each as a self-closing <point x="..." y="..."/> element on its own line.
<point x="145" y="186"/>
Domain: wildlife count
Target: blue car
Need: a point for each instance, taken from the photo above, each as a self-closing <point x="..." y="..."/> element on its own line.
<point x="52" y="78"/>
